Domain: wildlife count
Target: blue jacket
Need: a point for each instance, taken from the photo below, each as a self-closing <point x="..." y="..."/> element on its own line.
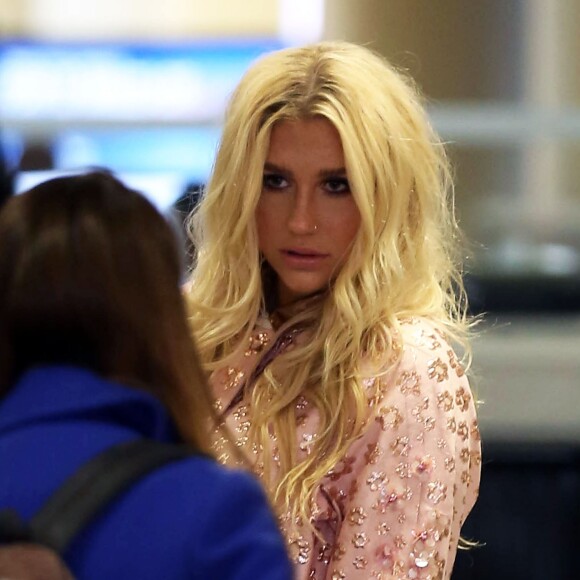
<point x="188" y="519"/>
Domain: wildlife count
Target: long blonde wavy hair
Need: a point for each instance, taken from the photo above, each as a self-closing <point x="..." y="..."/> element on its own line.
<point x="404" y="260"/>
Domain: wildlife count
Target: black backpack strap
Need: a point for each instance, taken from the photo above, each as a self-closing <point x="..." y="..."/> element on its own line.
<point x="95" y="484"/>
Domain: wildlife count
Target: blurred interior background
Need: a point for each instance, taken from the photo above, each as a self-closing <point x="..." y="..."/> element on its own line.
<point x="140" y="86"/>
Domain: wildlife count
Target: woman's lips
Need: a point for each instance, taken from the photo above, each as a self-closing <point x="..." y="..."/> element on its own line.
<point x="303" y="257"/>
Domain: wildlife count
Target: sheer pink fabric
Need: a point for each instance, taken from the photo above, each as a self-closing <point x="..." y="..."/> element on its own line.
<point x="392" y="508"/>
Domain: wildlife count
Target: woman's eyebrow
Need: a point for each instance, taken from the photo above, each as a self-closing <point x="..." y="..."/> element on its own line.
<point x="323" y="173"/>
<point x="338" y="172"/>
<point x="276" y="168"/>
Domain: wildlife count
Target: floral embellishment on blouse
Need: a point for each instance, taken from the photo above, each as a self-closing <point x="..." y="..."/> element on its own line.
<point x="357" y="516"/>
<point x="409" y="383"/>
<point x="257" y="343"/>
<point x="438" y="370"/>
<point x="455" y="364"/>
<point x="234" y="378"/>
<point x="389" y="418"/>
<point x="462" y="398"/>
<point x="445" y="401"/>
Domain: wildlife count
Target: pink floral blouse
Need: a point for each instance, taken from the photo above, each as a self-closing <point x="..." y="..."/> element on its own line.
<point x="393" y="507"/>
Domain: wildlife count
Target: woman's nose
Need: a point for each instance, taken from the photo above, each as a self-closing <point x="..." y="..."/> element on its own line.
<point x="302" y="219"/>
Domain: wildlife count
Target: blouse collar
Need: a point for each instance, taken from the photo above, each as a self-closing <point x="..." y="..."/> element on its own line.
<point x="283" y="314"/>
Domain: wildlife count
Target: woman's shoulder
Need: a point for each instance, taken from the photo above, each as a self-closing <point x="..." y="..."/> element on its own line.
<point x="427" y="348"/>
<point x="206" y="521"/>
<point x="423" y="361"/>
<point x="420" y="342"/>
<point x="226" y="517"/>
<point x="421" y="332"/>
<point x="203" y="473"/>
<point x="192" y="494"/>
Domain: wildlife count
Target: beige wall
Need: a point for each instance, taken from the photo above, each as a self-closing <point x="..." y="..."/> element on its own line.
<point x="138" y="18"/>
<point x="11" y="14"/>
<point x="454" y="49"/>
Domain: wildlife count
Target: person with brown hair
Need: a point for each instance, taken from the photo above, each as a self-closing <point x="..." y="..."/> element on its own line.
<point x="95" y="349"/>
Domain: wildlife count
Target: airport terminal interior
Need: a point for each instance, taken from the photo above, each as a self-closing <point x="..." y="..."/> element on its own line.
<point x="141" y="86"/>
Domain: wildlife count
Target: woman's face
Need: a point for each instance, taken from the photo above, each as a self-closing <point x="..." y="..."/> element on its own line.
<point x="306" y="217"/>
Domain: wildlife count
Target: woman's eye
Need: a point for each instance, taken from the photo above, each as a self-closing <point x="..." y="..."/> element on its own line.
<point x="338" y="185"/>
<point x="274" y="181"/>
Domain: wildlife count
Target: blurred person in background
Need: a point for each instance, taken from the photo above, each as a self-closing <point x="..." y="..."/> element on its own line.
<point x="325" y="299"/>
<point x="5" y="179"/>
<point x="95" y="349"/>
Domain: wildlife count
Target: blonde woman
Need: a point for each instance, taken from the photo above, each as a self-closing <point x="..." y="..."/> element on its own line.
<point x="325" y="296"/>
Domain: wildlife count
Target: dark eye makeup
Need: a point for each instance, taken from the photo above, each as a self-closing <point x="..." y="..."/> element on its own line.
<point x="274" y="181"/>
<point x="337" y="185"/>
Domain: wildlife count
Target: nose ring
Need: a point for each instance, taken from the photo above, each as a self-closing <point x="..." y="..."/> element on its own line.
<point x="315" y="228"/>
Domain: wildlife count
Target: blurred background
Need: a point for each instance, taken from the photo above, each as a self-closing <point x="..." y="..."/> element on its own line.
<point x="140" y="86"/>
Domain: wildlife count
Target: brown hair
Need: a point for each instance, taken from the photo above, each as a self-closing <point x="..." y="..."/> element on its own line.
<point x="90" y="275"/>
